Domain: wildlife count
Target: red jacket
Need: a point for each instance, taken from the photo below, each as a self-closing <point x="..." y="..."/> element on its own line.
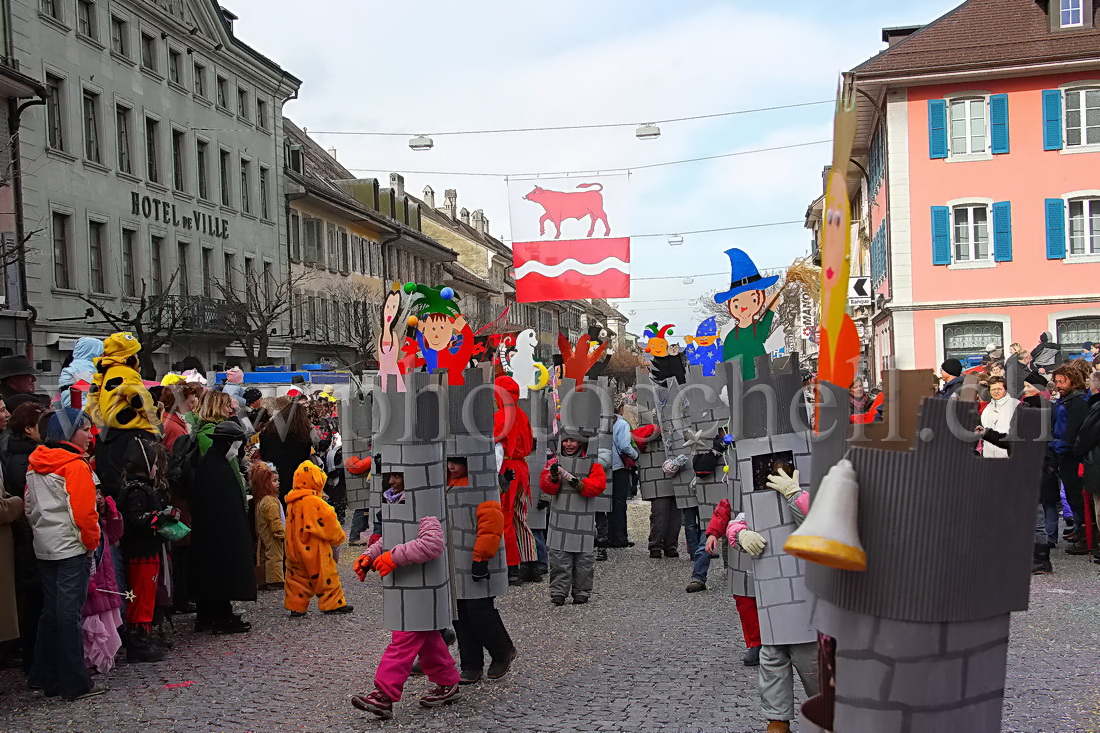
<point x="720" y="519"/>
<point x="594" y="485"/>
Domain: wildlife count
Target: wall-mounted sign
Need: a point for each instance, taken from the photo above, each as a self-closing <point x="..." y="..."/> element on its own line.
<point x="859" y="291"/>
<point x="165" y="212"/>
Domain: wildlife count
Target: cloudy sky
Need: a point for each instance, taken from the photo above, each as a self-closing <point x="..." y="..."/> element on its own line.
<point x="434" y="66"/>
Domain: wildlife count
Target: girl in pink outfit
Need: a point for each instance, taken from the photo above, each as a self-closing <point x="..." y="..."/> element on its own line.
<point x="397" y="660"/>
<point x="102" y="615"/>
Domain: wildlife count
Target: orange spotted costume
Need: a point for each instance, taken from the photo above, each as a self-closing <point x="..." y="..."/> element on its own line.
<point x="312" y="530"/>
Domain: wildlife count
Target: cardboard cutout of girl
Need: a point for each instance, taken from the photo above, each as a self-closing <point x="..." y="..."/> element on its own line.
<point x="747" y="304"/>
<point x="391" y="337"/>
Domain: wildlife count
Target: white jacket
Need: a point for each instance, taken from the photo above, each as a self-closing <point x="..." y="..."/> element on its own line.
<point x="997" y="416"/>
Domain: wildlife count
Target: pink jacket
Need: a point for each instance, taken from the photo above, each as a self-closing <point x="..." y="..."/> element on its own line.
<point x="111" y="524"/>
<point x="427" y="546"/>
<point x="801" y="504"/>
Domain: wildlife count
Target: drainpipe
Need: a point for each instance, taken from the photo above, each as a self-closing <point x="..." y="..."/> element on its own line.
<point x="17" y="184"/>
<point x="290" y="197"/>
<point x="385" y="274"/>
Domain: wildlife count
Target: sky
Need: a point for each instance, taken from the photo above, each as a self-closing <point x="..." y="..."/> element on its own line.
<point x="434" y="66"/>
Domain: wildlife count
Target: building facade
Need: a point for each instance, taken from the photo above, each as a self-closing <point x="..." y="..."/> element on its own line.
<point x="978" y="146"/>
<point x="152" y="170"/>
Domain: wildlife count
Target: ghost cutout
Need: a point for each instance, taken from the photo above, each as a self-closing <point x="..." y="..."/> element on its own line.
<point x="522" y="362"/>
<point x="705" y="347"/>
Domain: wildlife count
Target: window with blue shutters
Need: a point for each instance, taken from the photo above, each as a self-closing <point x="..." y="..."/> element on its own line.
<point x="998" y="124"/>
<point x="1052" y="119"/>
<point x="941" y="235"/>
<point x="1056" y="229"/>
<point x="937" y="128"/>
<point x="878" y="255"/>
<point x="1002" y="231"/>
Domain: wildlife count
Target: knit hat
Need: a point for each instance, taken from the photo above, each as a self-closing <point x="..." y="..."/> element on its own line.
<point x="251" y="395"/>
<point x="64" y="423"/>
<point x="953" y="367"/>
<point x="1038" y="380"/>
<point x="234" y="376"/>
<point x="171" y="378"/>
<point x="1087" y="346"/>
<point x="121" y="345"/>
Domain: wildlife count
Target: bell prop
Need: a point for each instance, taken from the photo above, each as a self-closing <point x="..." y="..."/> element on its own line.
<point x="830" y="534"/>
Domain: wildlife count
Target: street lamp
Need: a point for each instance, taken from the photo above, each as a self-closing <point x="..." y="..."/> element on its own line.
<point x="675" y="240"/>
<point x="647" y="132"/>
<point x="688" y="280"/>
<point x="421" y="142"/>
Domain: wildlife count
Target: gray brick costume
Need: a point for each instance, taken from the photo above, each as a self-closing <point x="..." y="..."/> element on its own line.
<point x="654" y="485"/>
<point x="765" y="437"/>
<point x="571" y="538"/>
<point x="696" y="406"/>
<point x="537" y="406"/>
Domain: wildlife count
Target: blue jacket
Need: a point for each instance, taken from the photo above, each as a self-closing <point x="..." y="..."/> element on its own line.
<point x="620" y="442"/>
<point x="81" y="367"/>
<point x="1069" y="412"/>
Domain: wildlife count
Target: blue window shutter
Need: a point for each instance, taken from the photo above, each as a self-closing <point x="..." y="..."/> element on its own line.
<point x="1052" y="119"/>
<point x="1002" y="231"/>
<point x="941" y="235"/>
<point x="998" y="123"/>
<point x="937" y="128"/>
<point x="1056" y="229"/>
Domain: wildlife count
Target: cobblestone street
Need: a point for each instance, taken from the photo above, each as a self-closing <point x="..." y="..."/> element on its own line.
<point x="643" y="656"/>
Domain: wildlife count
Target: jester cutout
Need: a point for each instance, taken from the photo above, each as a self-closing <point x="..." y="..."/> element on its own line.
<point x="667" y="363"/>
<point x="705" y="347"/>
<point x="445" y="339"/>
<point x="751" y="312"/>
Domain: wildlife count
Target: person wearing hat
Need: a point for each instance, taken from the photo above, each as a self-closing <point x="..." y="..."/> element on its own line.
<point x="82" y="367"/>
<point x="1089" y="351"/>
<point x="17" y="376"/>
<point x="120" y="406"/>
<point x="747" y="305"/>
<point x="951" y="373"/>
<point x="234" y="384"/>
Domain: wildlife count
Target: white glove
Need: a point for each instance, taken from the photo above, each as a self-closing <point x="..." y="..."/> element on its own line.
<point x="752" y="542"/>
<point x="784" y="484"/>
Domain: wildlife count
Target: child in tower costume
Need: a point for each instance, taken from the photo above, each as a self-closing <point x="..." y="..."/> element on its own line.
<point x="779" y="661"/>
<point x="515" y="441"/>
<point x="749" y="308"/>
<point x="312" y="530"/>
<point x="445" y="339"/>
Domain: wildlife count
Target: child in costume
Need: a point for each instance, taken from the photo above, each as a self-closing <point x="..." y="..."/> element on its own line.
<point x="572" y="555"/>
<point x="746" y="605"/>
<point x="747" y="305"/>
<point x="312" y="530"/>
<point x="263" y="479"/>
<point x="101" y="617"/>
<point x="515" y="441"/>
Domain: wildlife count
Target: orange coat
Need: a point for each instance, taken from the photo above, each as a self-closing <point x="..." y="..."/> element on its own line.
<point x="312" y="530"/>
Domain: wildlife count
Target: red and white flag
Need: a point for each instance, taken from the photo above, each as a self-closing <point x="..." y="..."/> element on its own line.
<point x="567" y="241"/>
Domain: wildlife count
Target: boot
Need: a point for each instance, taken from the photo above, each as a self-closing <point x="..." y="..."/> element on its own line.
<point x="376" y="702"/>
<point x="1041" y="564"/>
<point x="1078" y="548"/>
<point x="514" y="577"/>
<point x="529" y="572"/>
<point x="752" y="657"/>
<point x="139" y="647"/>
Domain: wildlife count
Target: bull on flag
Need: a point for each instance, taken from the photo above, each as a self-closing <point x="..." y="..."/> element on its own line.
<point x="567" y="237"/>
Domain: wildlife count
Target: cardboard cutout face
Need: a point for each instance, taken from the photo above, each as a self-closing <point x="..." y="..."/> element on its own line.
<point x="744" y="307"/>
<point x="437" y="331"/>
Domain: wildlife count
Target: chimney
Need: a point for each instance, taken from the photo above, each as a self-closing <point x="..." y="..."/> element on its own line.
<point x="332" y="153"/>
<point x="480" y="223"/>
<point x="464" y="215"/>
<point x="450" y="202"/>
<point x="897" y="34"/>
<point x="429" y="197"/>
<point x="229" y="17"/>
<point x="397" y="183"/>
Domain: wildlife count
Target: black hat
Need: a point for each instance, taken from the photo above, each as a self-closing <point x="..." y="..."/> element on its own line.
<point x="1038" y="380"/>
<point x="16" y="365"/>
<point x="251" y="395"/>
<point x="953" y="367"/>
<point x="228" y="430"/>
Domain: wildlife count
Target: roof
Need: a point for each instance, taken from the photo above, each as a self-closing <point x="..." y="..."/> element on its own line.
<point x="981" y="34"/>
<point x="464" y="229"/>
<point x="221" y="14"/>
<point x="463" y="275"/>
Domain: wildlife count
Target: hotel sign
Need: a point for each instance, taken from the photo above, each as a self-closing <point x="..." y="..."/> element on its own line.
<point x="165" y="212"/>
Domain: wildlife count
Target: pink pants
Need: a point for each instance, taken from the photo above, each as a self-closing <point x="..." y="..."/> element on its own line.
<point x="397" y="661"/>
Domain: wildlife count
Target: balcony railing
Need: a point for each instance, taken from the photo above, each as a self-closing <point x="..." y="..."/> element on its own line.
<point x="201" y="314"/>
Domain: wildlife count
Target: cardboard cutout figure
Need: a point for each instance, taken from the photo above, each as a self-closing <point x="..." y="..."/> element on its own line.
<point x="705" y="347"/>
<point x="577" y="362"/>
<point x="747" y="304"/>
<point x="522" y="363"/>
<point x="667" y="361"/>
<point x="445" y="339"/>
<point x="391" y="337"/>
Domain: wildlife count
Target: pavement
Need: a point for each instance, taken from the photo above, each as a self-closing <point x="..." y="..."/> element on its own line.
<point x="642" y="656"/>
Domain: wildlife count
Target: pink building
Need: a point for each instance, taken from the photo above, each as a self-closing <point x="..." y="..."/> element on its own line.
<point x="978" y="151"/>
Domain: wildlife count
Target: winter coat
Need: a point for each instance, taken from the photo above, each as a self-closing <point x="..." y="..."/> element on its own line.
<point x="1087" y="448"/>
<point x="103" y="586"/>
<point x="60" y="502"/>
<point x="286" y="453"/>
<point x="427" y="546"/>
<point x="139" y="503"/>
<point x="997" y="417"/>
<point x="81" y="367"/>
<point x="592" y="485"/>
<point x="11" y="510"/>
<point x="270" y="539"/>
<point x="950" y="389"/>
<point x="1069" y="413"/>
<point x="620" y="440"/>
<point x="221" y="540"/>
<point x="174" y="427"/>
<point x="312" y="530"/>
<point x="720" y="520"/>
<point x="16" y="460"/>
<point x="1047" y="355"/>
<point x="119" y="400"/>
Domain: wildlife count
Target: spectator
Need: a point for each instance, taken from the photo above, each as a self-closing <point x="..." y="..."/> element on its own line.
<point x="11" y="511"/>
<point x="620" y="480"/>
<point x="1047" y="356"/>
<point x="234" y="385"/>
<point x="1088" y="352"/>
<point x="1070" y="410"/>
<point x="178" y="400"/>
<point x="288" y="440"/>
<point x="951" y="373"/>
<point x="82" y="367"/>
<point x="25" y="437"/>
<point x="858" y="398"/>
<point x="101" y="616"/>
<point x="270" y="525"/>
<point x="17" y="376"/>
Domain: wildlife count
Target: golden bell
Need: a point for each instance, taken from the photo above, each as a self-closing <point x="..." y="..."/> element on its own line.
<point x="830" y="533"/>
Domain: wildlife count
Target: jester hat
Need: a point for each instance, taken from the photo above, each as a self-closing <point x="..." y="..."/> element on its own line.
<point x="651" y="331"/>
<point x="428" y="300"/>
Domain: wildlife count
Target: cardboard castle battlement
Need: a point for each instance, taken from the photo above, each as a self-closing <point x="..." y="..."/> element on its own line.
<point x="538" y="404"/>
<point x="697" y="406"/>
<point x="653" y="482"/>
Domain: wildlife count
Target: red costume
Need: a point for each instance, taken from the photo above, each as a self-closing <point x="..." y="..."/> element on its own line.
<point x="512" y="430"/>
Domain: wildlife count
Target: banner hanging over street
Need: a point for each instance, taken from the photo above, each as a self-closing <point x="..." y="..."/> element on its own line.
<point x="567" y="237"/>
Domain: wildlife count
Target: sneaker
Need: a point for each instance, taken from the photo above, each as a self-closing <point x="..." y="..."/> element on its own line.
<point x="1042" y="568"/>
<point x="499" y="668"/>
<point x="655" y="554"/>
<point x="752" y="657"/>
<point x="1078" y="548"/>
<point x="346" y="608"/>
<point x="695" y="586"/>
<point x="579" y="600"/>
<point x="441" y="695"/>
<point x="672" y="552"/>
<point x="376" y="702"/>
<point x="297" y="614"/>
<point x="601" y="553"/>
<point x="95" y="689"/>
<point x="234" y="625"/>
<point x="557" y="600"/>
<point x="469" y="676"/>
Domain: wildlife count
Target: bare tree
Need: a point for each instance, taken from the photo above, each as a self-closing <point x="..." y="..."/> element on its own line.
<point x="623" y="367"/>
<point x="349" y="336"/>
<point x="256" y="302"/>
<point x="155" y="320"/>
<point x="705" y="307"/>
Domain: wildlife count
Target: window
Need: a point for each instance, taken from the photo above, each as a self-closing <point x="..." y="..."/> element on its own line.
<point x="968" y="126"/>
<point x="228" y="266"/>
<point x="200" y="79"/>
<point x="1074" y="332"/>
<point x="61" y="273"/>
<point x="224" y="162"/>
<point x="295" y="236"/>
<point x="178" y="179"/>
<point x="151" y="149"/>
<point x="120" y="36"/>
<point x="183" y="269"/>
<point x="971" y="233"/>
<point x="1083" y="116"/>
<point x="54" y="113"/>
<point x="1072" y="14"/>
<point x="1084" y="227"/>
<point x="967" y="341"/>
<point x="96" y="265"/>
<point x="261" y="114"/>
<point x="330" y="237"/>
<point x="175" y="66"/>
<point x="122" y="138"/>
<point x="207" y="280"/>
<point x="269" y="282"/>
<point x="249" y="273"/>
<point x="265" y="212"/>
<point x="148" y="52"/>
<point x="242" y="103"/>
<point x="311" y="234"/>
<point x="129" y="268"/>
<point x="202" y="147"/>
<point x="91" y="126"/>
<point x="85" y="18"/>
<point x="246" y="186"/>
<point x="156" y="267"/>
<point x="223" y="92"/>
<point x="344" y="251"/>
<point x="51" y="8"/>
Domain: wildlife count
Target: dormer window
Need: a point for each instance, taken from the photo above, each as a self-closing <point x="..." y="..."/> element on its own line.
<point x="1072" y="13"/>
